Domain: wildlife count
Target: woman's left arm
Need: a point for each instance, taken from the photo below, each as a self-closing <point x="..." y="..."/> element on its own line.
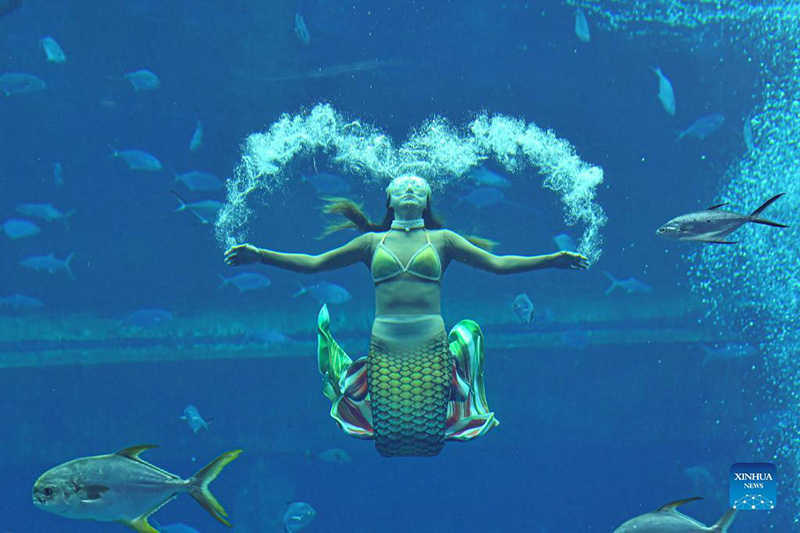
<point x="465" y="252"/>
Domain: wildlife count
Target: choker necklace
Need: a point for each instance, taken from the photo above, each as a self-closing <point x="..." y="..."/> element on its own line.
<point x="408" y="224"/>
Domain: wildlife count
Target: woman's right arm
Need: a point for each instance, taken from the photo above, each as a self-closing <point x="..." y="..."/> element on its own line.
<point x="353" y="252"/>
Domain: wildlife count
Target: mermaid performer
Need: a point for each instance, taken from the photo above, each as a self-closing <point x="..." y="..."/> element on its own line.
<point x="418" y="386"/>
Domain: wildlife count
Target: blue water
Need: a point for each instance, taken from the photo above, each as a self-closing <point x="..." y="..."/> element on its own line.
<point x="588" y="438"/>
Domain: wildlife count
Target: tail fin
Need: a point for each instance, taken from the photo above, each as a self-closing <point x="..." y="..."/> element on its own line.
<point x="203" y="478"/>
<point x="67" y="215"/>
<point x="614" y="283"/>
<point x="67" y="263"/>
<point x="724" y="523"/>
<point x="225" y="281"/>
<point x="181" y="201"/>
<point x="302" y="290"/>
<point x="709" y="353"/>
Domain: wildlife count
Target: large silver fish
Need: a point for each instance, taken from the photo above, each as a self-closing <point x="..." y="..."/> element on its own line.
<point x="713" y="225"/>
<point x="667" y="519"/>
<point x="123" y="488"/>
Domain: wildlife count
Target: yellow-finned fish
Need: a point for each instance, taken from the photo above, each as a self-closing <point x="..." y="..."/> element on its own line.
<point x="123" y="488"/>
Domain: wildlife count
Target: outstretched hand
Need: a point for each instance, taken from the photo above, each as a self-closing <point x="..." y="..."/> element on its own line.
<point x="242" y="254"/>
<point x="569" y="261"/>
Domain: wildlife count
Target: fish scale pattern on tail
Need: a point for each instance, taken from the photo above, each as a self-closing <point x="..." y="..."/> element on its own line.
<point x="409" y="392"/>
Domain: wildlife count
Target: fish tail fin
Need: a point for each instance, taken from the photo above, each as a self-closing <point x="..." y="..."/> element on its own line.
<point x="300" y="292"/>
<point x="709" y="353"/>
<point x="114" y="152"/>
<point x="67" y="263"/>
<point x="181" y="201"/>
<point x="225" y="282"/>
<point x="614" y="283"/>
<point x="200" y="481"/>
<point x="768" y="223"/>
<point x="724" y="522"/>
<point x="765" y="205"/>
<point x="67" y="216"/>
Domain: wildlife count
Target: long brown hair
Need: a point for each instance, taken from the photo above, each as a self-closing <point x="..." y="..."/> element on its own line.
<point x="359" y="220"/>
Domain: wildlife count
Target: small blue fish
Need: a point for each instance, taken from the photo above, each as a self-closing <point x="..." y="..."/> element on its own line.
<point x="197" y="137"/>
<point x="57" y="175"/>
<point x="702" y="127"/>
<point x="20" y="301"/>
<point x="325" y="292"/>
<point x="482" y="197"/>
<point x="301" y="30"/>
<point x="196" y="180"/>
<point x="575" y="338"/>
<point x="246" y="281"/>
<point x="193" y="418"/>
<point x="53" y="51"/>
<point x="205" y="210"/>
<point x="565" y="243"/>
<point x="49" y="263"/>
<point x="523" y="307"/>
<point x="582" y="26"/>
<point x="16" y="228"/>
<point x="665" y="92"/>
<point x="630" y="285"/>
<point x="298" y="516"/>
<point x="143" y="80"/>
<point x="484" y="177"/>
<point x="45" y="212"/>
<point x="12" y="83"/>
<point x="270" y="336"/>
<point x="146" y="318"/>
<point x="728" y="351"/>
<point x="139" y="160"/>
<point x="328" y="184"/>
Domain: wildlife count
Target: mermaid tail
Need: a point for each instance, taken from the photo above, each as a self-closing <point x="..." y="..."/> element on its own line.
<point x="409" y="396"/>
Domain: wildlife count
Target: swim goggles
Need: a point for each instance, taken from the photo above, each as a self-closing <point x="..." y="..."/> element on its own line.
<point x="401" y="184"/>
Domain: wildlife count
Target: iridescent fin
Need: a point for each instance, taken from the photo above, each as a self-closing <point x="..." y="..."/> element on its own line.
<point x="141" y="525"/>
<point x="200" y="481"/>
<point x="332" y="361"/>
<point x="471" y="417"/>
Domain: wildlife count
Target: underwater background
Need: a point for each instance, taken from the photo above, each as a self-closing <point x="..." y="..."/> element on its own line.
<point x="610" y="405"/>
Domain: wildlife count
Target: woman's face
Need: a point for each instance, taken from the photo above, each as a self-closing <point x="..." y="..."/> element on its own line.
<point x="408" y="193"/>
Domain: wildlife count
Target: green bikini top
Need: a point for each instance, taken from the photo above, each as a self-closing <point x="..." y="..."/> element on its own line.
<point x="425" y="262"/>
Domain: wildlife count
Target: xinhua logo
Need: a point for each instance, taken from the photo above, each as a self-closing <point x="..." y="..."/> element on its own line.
<point x="753" y="486"/>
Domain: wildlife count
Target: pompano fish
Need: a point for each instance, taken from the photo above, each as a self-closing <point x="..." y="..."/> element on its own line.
<point x="205" y="210"/>
<point x="301" y="30"/>
<point x="57" y="174"/>
<point x="485" y="177"/>
<point x="16" y="228"/>
<point x="665" y="92"/>
<point x="630" y="285"/>
<point x="49" y="263"/>
<point x="702" y="127"/>
<point x="325" y="292"/>
<point x="523" y="307"/>
<point x="713" y="225"/>
<point x="193" y="418"/>
<point x="122" y="487"/>
<point x="667" y="519"/>
<point x="197" y="180"/>
<point x="139" y="160"/>
<point x="582" y="26"/>
<point x="53" y="51"/>
<point x="246" y="281"/>
<point x="20" y="301"/>
<point x="12" y="83"/>
<point x="197" y="137"/>
<point x="143" y="80"/>
<point x="565" y="243"/>
<point x="46" y="212"/>
<point x="298" y="516"/>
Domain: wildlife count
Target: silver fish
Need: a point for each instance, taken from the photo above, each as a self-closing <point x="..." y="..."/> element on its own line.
<point x="16" y="228"/>
<point x="665" y="92"/>
<point x="667" y="519"/>
<point x="143" y="80"/>
<point x="197" y="137"/>
<point x="523" y="307"/>
<point x="122" y="487"/>
<point x="139" y="160"/>
<point x="205" y="210"/>
<point x="630" y="285"/>
<point x="246" y="281"/>
<point x="45" y="212"/>
<point x="193" y="418"/>
<point x="12" y="83"/>
<point x="57" y="174"/>
<point x="196" y="180"/>
<point x="325" y="292"/>
<point x="20" y="301"/>
<point x="49" y="263"/>
<point x="582" y="26"/>
<point x="702" y="127"/>
<point x="298" y="516"/>
<point x="53" y="51"/>
<point x="713" y="225"/>
<point x="301" y="30"/>
<point x="484" y="177"/>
